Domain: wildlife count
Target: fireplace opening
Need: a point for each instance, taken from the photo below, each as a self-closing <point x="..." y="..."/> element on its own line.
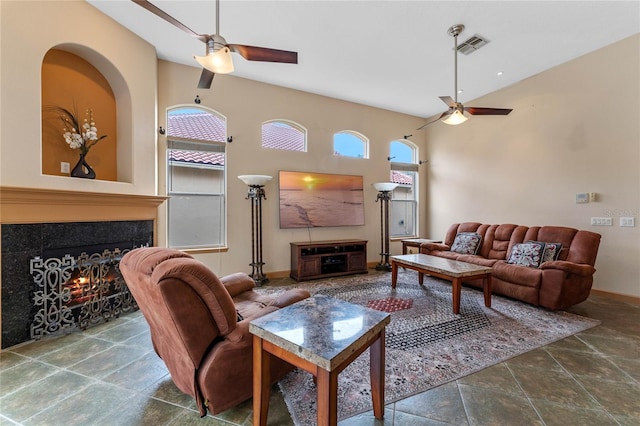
<point x="64" y="277"/>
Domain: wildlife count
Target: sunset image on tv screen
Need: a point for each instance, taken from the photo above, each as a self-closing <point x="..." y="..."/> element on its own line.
<point x="320" y="199"/>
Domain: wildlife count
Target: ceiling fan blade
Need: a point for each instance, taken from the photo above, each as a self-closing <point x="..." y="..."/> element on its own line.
<point x="444" y="114"/>
<point x="254" y="53"/>
<point x="170" y="19"/>
<point x="448" y="100"/>
<point x="206" y="78"/>
<point x="487" y="111"/>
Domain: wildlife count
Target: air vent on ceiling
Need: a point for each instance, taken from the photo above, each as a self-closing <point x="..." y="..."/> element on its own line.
<point x="472" y="44"/>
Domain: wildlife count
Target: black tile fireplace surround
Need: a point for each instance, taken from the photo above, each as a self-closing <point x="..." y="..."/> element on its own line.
<point x="23" y="242"/>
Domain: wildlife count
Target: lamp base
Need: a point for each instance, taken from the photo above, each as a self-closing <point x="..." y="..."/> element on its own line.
<point x="384" y="264"/>
<point x="260" y="280"/>
<point x="383" y="267"/>
<point x="257" y="275"/>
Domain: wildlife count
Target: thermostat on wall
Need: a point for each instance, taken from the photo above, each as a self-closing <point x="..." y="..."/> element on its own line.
<point x="582" y="198"/>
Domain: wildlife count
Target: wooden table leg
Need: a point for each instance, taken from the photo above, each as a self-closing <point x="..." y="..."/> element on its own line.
<point x="457" y="289"/>
<point x="261" y="380"/>
<point x="394" y="273"/>
<point x="487" y="290"/>
<point x="376" y="372"/>
<point x="327" y="398"/>
<point x="420" y="278"/>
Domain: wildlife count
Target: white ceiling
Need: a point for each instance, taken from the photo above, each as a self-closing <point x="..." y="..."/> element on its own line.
<point x="390" y="54"/>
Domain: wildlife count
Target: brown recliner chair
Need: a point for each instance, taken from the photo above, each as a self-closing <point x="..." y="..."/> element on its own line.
<point x="200" y="323"/>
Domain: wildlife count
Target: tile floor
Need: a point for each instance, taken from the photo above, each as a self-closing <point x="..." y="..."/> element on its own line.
<point x="109" y="375"/>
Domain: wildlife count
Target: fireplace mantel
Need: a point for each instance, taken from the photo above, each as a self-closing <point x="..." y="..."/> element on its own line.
<point x="33" y="205"/>
<point x="43" y="216"/>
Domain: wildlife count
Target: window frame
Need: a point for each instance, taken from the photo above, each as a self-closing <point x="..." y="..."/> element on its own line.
<point x="296" y="126"/>
<point x="412" y="167"/>
<point x="357" y="135"/>
<point x="205" y="145"/>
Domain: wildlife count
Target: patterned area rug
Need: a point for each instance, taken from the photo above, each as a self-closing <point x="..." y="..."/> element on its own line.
<point x="426" y="344"/>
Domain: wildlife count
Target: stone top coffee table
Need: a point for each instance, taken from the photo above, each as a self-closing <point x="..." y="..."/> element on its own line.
<point x="320" y="335"/>
<point x="448" y="269"/>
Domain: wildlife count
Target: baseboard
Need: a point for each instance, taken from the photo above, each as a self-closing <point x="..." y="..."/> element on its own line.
<point x="278" y="274"/>
<point x="284" y="274"/>
<point x="617" y="296"/>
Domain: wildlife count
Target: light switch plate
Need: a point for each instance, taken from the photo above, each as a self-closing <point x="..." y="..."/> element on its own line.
<point x="628" y="221"/>
<point x="602" y="221"/>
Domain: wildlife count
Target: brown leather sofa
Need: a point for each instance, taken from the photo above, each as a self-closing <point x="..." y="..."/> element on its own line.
<point x="554" y="284"/>
<point x="200" y="324"/>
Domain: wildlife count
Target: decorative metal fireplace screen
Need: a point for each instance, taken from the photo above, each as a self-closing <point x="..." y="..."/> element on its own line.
<point x="76" y="293"/>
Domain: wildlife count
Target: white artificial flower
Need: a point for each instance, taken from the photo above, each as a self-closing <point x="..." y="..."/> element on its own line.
<point x="83" y="138"/>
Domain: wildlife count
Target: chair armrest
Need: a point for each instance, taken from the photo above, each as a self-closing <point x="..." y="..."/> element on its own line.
<point x="427" y="247"/>
<point x="290" y="297"/>
<point x="570" y="267"/>
<point x="237" y="283"/>
<point x="241" y="333"/>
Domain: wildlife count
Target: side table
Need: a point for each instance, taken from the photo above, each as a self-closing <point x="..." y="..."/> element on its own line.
<point x="322" y="336"/>
<point x="416" y="242"/>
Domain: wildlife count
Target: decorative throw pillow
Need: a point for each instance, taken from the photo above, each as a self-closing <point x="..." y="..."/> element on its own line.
<point x="551" y="251"/>
<point x="466" y="243"/>
<point x="527" y="254"/>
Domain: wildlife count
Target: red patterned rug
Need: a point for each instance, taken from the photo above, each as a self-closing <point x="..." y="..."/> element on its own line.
<point x="426" y="344"/>
<point x="390" y="304"/>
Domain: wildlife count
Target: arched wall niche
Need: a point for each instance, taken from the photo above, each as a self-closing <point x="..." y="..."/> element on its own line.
<point x="72" y="73"/>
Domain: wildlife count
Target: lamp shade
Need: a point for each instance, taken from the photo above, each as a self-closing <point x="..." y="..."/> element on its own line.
<point x="385" y="186"/>
<point x="456" y="118"/>
<point x="218" y="62"/>
<point x="258" y="180"/>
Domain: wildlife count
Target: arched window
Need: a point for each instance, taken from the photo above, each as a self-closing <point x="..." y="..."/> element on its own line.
<point x="284" y="134"/>
<point x="404" y="202"/>
<point x="196" y="183"/>
<point x="350" y="144"/>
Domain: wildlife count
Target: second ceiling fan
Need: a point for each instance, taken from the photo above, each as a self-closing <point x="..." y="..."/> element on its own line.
<point x="455" y="113"/>
<point x="218" y="51"/>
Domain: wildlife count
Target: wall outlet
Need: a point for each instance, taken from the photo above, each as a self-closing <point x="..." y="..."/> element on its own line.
<point x="602" y="221"/>
<point x="628" y="221"/>
<point x="64" y="167"/>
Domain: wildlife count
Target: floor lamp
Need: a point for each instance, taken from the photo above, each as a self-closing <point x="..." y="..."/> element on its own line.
<point x="384" y="195"/>
<point x="256" y="194"/>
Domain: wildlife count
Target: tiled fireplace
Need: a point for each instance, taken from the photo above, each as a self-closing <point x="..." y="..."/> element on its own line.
<point x="44" y="233"/>
<point x="77" y="260"/>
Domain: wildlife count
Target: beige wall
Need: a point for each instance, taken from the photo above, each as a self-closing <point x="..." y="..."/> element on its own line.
<point x="567" y="134"/>
<point x="28" y="31"/>
<point x="247" y="104"/>
<point x="574" y="129"/>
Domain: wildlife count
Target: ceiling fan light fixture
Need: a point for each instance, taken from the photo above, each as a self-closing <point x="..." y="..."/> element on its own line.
<point x="456" y="118"/>
<point x="218" y="62"/>
<point x="218" y="59"/>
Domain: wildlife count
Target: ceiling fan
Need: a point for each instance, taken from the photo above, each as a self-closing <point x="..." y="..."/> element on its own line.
<point x="218" y="51"/>
<point x="455" y="113"/>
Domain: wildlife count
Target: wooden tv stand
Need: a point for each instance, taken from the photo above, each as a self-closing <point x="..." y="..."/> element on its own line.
<point x="321" y="259"/>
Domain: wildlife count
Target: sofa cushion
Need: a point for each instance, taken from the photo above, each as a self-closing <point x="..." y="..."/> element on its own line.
<point x="527" y="254"/>
<point x="466" y="243"/>
<point x="446" y="254"/>
<point x="499" y="239"/>
<point x="476" y="260"/>
<point x="517" y="274"/>
<point x="552" y="234"/>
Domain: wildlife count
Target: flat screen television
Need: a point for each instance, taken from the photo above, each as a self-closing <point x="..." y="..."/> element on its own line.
<point x="320" y="200"/>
